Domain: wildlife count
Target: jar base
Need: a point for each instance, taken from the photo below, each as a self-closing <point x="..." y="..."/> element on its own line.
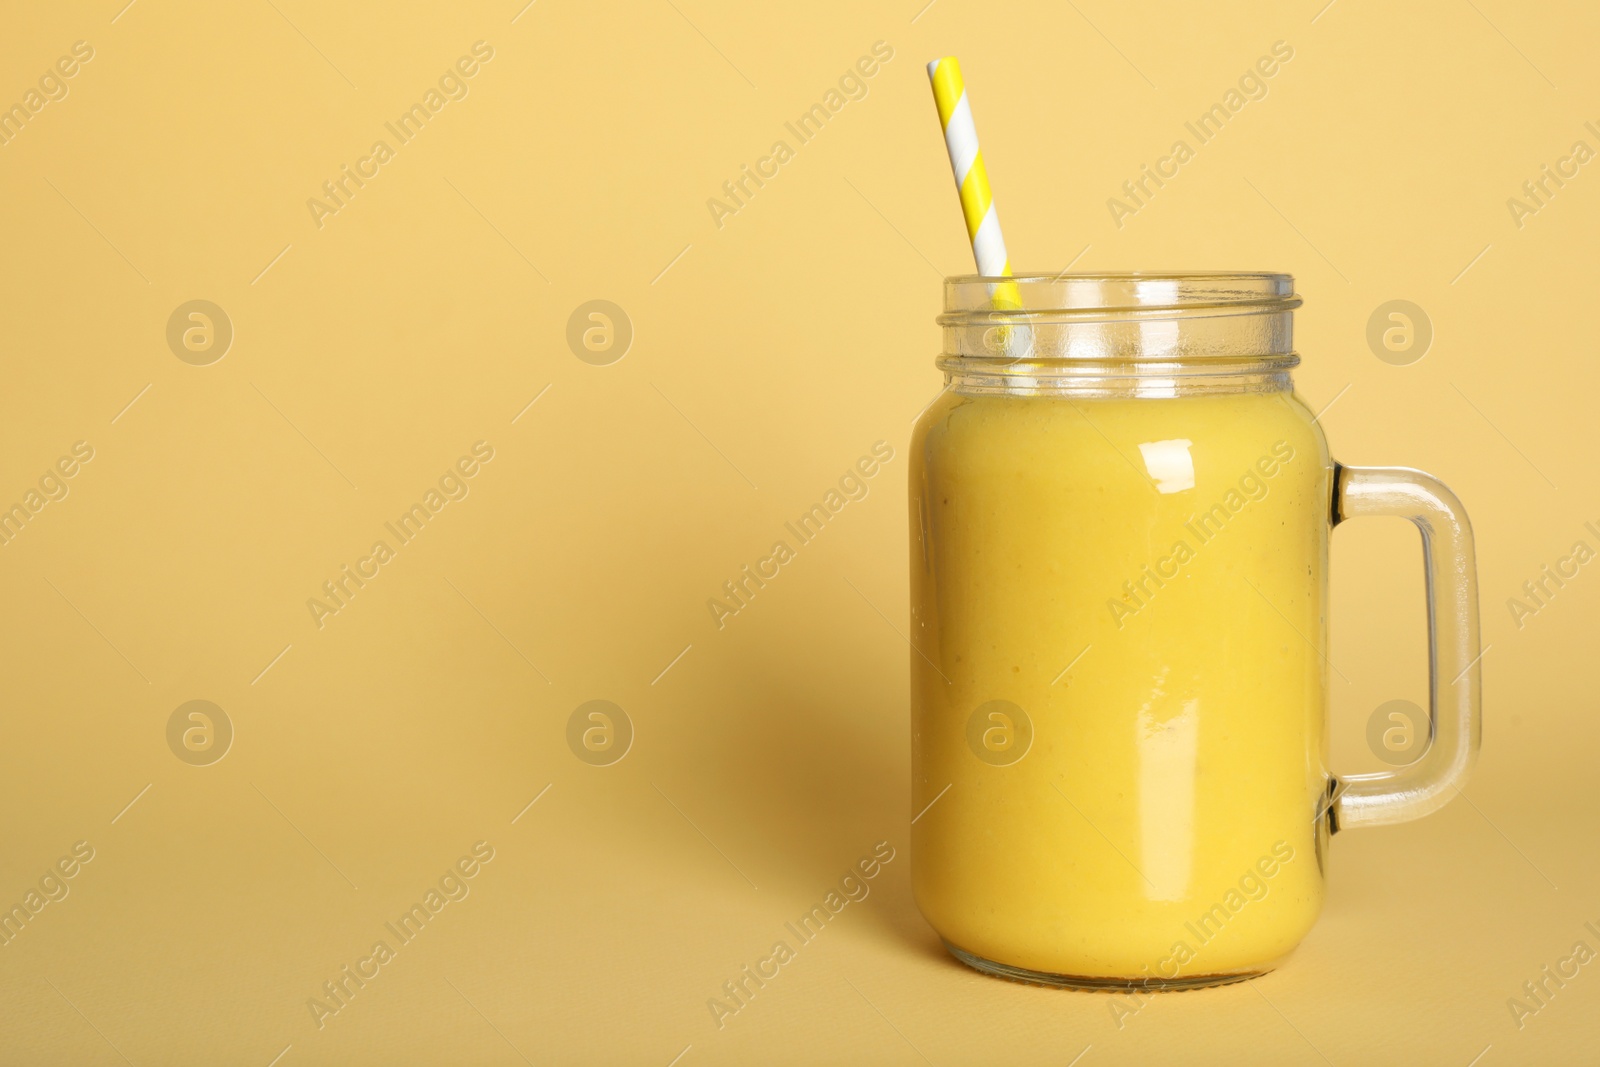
<point x="1101" y="985"/>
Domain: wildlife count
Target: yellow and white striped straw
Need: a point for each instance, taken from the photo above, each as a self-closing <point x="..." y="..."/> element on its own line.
<point x="966" y="161"/>
<point x="977" y="202"/>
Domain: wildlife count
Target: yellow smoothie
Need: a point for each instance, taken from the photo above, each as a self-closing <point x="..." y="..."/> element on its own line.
<point x="1151" y="814"/>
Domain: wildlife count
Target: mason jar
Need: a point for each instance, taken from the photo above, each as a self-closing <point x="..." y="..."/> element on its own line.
<point x="1120" y="518"/>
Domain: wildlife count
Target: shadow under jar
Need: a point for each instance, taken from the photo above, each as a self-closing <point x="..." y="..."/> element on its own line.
<point x="1120" y="516"/>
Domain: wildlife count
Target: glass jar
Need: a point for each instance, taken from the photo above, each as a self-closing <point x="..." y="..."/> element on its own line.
<point x="1120" y="516"/>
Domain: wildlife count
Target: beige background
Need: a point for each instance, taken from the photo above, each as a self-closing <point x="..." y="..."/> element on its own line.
<point x="767" y="355"/>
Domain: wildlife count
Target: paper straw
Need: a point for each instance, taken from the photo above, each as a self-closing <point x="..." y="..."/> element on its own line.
<point x="977" y="201"/>
<point x="966" y="162"/>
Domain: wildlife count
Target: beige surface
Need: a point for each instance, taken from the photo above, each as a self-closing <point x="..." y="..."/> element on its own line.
<point x="425" y="715"/>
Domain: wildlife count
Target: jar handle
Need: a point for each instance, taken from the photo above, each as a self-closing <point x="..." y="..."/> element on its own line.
<point x="1455" y="726"/>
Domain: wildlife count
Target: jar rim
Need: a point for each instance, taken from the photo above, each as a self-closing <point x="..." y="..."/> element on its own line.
<point x="1132" y="292"/>
<point x="1135" y="333"/>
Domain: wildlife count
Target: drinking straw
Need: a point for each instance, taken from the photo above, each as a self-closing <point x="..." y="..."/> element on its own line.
<point x="972" y="182"/>
<point x="966" y="162"/>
